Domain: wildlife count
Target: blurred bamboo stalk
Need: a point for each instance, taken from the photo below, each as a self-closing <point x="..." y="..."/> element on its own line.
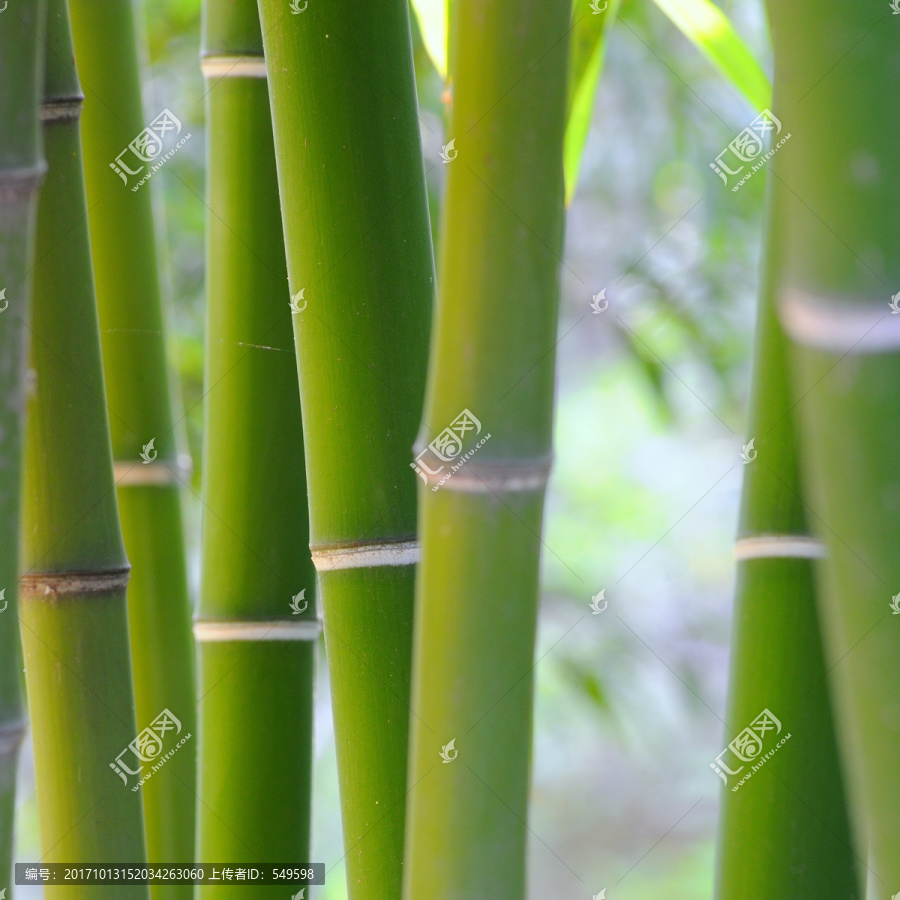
<point x="489" y="402"/>
<point x="785" y="832"/>
<point x="840" y="219"/>
<point x="123" y="247"/>
<point x="359" y="257"/>
<point x="21" y="171"/>
<point x="256" y="644"/>
<point x="73" y="609"/>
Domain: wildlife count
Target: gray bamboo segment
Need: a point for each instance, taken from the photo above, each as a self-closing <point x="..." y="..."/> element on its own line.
<point x="123" y="247"/>
<point x="784" y="822"/>
<point x="73" y="613"/>
<point x="841" y="217"/>
<point x="484" y="453"/>
<point x="352" y="184"/>
<point x="21" y="172"/>
<point x="256" y="627"/>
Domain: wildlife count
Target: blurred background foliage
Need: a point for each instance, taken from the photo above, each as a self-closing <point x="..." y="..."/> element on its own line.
<point x="643" y="501"/>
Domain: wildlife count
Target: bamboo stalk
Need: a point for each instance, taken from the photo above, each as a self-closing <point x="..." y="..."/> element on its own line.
<point x="842" y="265"/>
<point x="359" y="256"/>
<point x="123" y="247"/>
<point x="784" y="831"/>
<point x="73" y="612"/>
<point x="256" y="652"/>
<point x="492" y="362"/>
<point x="21" y="171"/>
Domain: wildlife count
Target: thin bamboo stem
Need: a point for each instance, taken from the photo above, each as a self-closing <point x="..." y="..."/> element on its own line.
<point x="123" y="247"/>
<point x="485" y="453"/>
<point x="785" y="828"/>
<point x="359" y="258"/>
<point x="73" y="612"/>
<point x="841" y="266"/>
<point x="256" y="649"/>
<point x="21" y="172"/>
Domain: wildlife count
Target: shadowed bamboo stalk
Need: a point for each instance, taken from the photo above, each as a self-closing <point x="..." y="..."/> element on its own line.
<point x="256" y="644"/>
<point x="123" y="247"/>
<point x="73" y="613"/>
<point x="21" y="171"/>
<point x="490" y="394"/>
<point x="359" y="257"/>
<point x="785" y="830"/>
<point x="840" y="218"/>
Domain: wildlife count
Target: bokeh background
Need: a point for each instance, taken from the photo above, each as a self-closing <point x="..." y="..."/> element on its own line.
<point x="643" y="502"/>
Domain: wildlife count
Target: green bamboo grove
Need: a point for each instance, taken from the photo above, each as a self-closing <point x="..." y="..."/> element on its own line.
<point x="123" y="248"/>
<point x="378" y="441"/>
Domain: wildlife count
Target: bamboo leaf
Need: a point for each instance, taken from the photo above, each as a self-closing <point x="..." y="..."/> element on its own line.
<point x="432" y="19"/>
<point x="588" y="43"/>
<point x="707" y="27"/>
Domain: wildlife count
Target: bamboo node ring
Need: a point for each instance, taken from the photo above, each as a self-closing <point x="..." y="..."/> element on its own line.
<point x="239" y="66"/>
<point x="208" y="631"/>
<point x="159" y="472"/>
<point x="779" y="546"/>
<point x="65" y="584"/>
<point x="61" y="108"/>
<point x="365" y="556"/>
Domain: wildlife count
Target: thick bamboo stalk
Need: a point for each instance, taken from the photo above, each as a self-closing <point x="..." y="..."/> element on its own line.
<point x="784" y="824"/>
<point x="73" y="613"/>
<point x="256" y="644"/>
<point x="21" y="172"/>
<point x="123" y="247"/>
<point x="359" y="258"/>
<point x="490" y="394"/>
<point x="841" y="216"/>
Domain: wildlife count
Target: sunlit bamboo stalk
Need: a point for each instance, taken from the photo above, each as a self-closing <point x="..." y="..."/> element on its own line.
<point x="484" y="453"/>
<point x="256" y="627"/>
<point x="72" y="590"/>
<point x="359" y="258"/>
<point x="123" y="248"/>
<point x="21" y="171"/>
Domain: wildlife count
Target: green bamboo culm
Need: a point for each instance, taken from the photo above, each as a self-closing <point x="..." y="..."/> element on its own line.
<point x="840" y="218"/>
<point x="784" y="823"/>
<point x="256" y="627"/>
<point x="484" y="453"/>
<point x="352" y="184"/>
<point x="123" y="248"/>
<point x="75" y="573"/>
<point x="21" y="171"/>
